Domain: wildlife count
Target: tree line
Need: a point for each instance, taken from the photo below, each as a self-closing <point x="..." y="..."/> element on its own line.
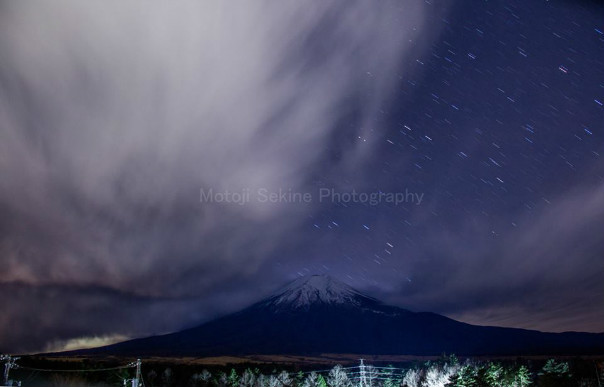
<point x="447" y="372"/>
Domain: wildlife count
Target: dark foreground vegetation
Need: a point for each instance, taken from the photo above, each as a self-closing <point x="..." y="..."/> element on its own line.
<point x="447" y="371"/>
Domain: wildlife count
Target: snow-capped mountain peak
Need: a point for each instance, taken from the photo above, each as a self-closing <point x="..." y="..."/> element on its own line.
<point x="317" y="289"/>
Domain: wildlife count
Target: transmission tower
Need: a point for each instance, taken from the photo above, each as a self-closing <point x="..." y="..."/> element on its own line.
<point x="136" y="381"/>
<point x="363" y="376"/>
<point x="9" y="362"/>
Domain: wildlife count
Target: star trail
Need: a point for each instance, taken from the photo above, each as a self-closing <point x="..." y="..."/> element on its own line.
<point x="166" y="164"/>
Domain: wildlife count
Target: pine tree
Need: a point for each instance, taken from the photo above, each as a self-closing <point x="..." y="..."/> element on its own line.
<point x="412" y="378"/>
<point x="555" y="373"/>
<point x="299" y="379"/>
<point x="467" y="376"/>
<point x="261" y="381"/>
<point x="552" y="367"/>
<point x="312" y="380"/>
<point x="338" y="378"/>
<point x="201" y="379"/>
<point x="151" y="377"/>
<point x="166" y="377"/>
<point x="523" y="377"/>
<point x="233" y="378"/>
<point x="222" y="380"/>
<point x="494" y="375"/>
<point x="284" y="378"/>
<point x="274" y="381"/>
<point x="439" y="375"/>
<point x="248" y="378"/>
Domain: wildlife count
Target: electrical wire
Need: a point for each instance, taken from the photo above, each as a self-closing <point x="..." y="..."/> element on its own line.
<point x="91" y="370"/>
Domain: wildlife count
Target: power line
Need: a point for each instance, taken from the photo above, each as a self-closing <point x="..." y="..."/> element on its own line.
<point x="362" y="373"/>
<point x="90" y="370"/>
<point x="328" y="370"/>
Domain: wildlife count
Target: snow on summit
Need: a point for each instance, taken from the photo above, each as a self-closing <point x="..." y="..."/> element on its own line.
<point x="317" y="289"/>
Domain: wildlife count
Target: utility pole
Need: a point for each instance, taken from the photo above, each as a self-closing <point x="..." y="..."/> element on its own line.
<point x="137" y="379"/>
<point x="7" y="360"/>
<point x="9" y="363"/>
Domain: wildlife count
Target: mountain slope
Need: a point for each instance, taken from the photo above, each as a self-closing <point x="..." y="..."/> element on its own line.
<point x="317" y="314"/>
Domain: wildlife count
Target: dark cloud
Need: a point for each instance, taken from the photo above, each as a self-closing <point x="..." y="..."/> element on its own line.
<point x="40" y="317"/>
<point x="544" y="274"/>
<point x="114" y="116"/>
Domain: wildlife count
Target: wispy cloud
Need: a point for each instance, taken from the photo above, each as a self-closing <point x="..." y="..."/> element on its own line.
<point x="544" y="273"/>
<point x="113" y="115"/>
<point x="84" y="342"/>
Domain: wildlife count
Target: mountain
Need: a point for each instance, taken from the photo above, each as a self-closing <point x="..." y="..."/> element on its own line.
<point x="317" y="314"/>
<point x="306" y="292"/>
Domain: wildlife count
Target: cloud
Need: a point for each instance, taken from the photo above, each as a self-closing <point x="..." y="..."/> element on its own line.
<point x="85" y="342"/>
<point x="114" y="115"/>
<point x="545" y="273"/>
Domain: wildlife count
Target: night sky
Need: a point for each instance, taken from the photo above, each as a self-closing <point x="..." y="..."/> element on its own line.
<point x="488" y="116"/>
